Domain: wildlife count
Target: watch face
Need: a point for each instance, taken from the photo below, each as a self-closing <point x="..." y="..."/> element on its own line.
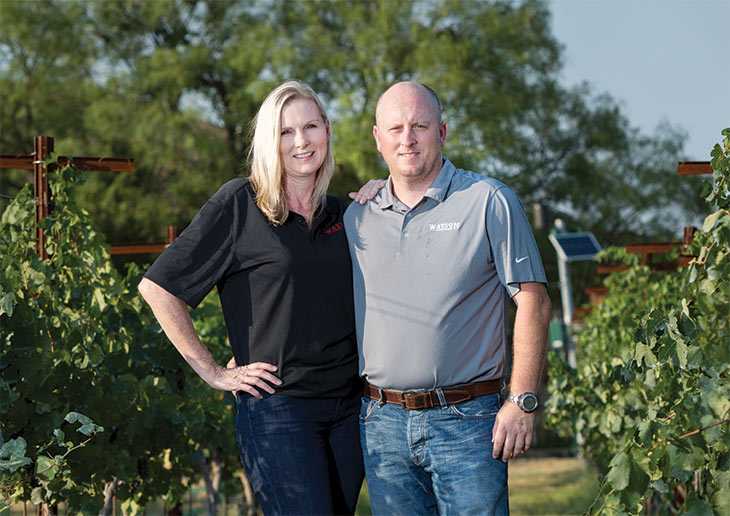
<point x="529" y="402"/>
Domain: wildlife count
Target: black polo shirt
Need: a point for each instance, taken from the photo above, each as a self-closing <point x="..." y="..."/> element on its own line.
<point x="286" y="291"/>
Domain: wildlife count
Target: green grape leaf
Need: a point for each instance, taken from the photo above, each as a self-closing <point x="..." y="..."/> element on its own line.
<point x="14" y="463"/>
<point x="37" y="495"/>
<point x="7" y="303"/>
<point x="618" y="475"/>
<point x="45" y="467"/>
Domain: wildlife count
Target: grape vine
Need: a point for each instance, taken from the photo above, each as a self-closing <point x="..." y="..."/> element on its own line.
<point x="77" y="338"/>
<point x="651" y="393"/>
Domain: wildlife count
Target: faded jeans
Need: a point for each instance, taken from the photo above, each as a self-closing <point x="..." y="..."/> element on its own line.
<point x="433" y="461"/>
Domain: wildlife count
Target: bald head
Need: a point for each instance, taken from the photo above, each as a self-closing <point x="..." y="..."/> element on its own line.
<point x="408" y="90"/>
<point x="409" y="134"/>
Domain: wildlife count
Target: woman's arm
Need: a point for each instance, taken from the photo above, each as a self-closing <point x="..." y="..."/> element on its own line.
<point x="172" y="314"/>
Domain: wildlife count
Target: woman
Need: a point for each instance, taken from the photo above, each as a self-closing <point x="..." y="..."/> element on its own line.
<point x="275" y="247"/>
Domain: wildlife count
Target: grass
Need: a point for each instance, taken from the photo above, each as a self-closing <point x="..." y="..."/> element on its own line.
<point x="546" y="486"/>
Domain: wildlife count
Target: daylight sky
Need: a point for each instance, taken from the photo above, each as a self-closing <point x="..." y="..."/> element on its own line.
<point x="664" y="60"/>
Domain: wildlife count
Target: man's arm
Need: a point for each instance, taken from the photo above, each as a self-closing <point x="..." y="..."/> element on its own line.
<point x="173" y="316"/>
<point x="512" y="431"/>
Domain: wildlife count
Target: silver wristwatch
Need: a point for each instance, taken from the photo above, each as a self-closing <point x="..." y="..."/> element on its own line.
<point x="527" y="401"/>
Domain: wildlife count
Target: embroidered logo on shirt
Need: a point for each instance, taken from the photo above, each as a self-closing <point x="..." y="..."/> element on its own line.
<point x="518" y="260"/>
<point x="334" y="229"/>
<point x="444" y="226"/>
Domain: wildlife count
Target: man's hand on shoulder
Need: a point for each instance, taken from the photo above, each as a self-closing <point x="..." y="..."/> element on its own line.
<point x="512" y="433"/>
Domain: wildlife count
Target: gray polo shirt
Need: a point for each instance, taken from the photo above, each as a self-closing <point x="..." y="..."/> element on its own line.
<point x="431" y="283"/>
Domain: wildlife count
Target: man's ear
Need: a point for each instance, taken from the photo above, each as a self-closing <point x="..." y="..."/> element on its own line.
<point x="375" y="135"/>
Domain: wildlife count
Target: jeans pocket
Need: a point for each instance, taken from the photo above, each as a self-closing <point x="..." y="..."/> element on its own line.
<point x="367" y="409"/>
<point x="483" y="407"/>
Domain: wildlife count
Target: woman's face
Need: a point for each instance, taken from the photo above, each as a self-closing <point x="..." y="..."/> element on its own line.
<point x="304" y="138"/>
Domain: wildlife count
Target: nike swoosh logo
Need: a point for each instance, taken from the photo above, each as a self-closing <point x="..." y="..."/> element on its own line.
<point x="518" y="260"/>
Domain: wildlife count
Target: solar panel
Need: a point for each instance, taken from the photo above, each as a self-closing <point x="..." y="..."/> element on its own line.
<point x="575" y="247"/>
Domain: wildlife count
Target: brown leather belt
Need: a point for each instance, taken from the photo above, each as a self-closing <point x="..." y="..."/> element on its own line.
<point x="413" y="400"/>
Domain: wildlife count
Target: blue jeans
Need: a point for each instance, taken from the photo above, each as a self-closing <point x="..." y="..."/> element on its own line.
<point x="433" y="461"/>
<point x="302" y="455"/>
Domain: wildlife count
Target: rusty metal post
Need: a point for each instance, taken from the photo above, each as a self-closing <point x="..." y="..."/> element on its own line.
<point x="685" y="257"/>
<point x="172" y="234"/>
<point x="42" y="147"/>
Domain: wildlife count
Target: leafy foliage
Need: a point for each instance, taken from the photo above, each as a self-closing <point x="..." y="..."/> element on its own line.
<point x="77" y="337"/>
<point x="48" y="467"/>
<point x="651" y="394"/>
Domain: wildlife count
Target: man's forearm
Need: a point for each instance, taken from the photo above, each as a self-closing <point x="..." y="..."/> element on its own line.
<point x="529" y="337"/>
<point x="513" y="428"/>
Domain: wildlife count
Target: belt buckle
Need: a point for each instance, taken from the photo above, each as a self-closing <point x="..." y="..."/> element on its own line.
<point x="416" y="400"/>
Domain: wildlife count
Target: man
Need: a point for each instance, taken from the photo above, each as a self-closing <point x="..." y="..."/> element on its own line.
<point x="436" y="256"/>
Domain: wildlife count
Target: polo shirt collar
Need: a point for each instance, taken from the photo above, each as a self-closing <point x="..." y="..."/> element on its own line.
<point x="440" y="186"/>
<point x="322" y="216"/>
<point x="437" y="191"/>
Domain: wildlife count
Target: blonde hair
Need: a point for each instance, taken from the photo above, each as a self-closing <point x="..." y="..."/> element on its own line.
<point x="268" y="178"/>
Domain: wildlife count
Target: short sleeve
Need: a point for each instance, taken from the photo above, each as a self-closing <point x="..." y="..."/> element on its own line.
<point x="194" y="263"/>
<point x="514" y="250"/>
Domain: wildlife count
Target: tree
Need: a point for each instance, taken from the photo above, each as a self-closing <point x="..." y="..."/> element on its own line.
<point x="45" y="79"/>
<point x="174" y="84"/>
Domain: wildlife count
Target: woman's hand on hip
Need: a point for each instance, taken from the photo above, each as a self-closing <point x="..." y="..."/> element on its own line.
<point x="248" y="378"/>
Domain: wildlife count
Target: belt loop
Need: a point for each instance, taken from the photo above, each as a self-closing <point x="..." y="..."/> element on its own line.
<point x="381" y="400"/>
<point x="442" y="398"/>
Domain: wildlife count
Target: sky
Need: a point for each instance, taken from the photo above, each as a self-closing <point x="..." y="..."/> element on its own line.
<point x="663" y="60"/>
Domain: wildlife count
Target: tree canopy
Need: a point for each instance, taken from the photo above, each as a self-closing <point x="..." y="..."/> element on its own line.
<point x="174" y="85"/>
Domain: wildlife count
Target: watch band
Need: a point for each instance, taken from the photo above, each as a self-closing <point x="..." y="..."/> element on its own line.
<point x="527" y="401"/>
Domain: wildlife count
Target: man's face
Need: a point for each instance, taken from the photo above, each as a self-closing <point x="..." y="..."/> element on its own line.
<point x="408" y="133"/>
